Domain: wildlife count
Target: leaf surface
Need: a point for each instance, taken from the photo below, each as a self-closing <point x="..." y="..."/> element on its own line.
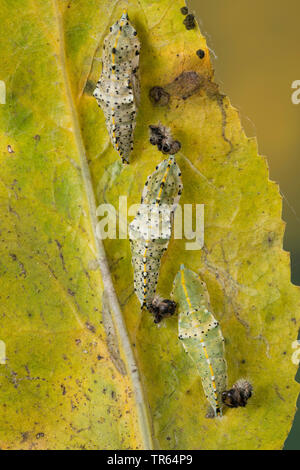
<point x="70" y="380"/>
<point x="64" y="384"/>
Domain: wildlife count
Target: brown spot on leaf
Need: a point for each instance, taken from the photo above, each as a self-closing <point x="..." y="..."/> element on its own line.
<point x="89" y="87"/>
<point x="189" y="22"/>
<point x="90" y="327"/>
<point x="159" y="96"/>
<point x="25" y="436"/>
<point x="184" y="10"/>
<point x="185" y="85"/>
<point x="200" y="53"/>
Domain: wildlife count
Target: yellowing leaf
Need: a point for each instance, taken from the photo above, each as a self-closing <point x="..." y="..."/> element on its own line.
<point x="70" y="380"/>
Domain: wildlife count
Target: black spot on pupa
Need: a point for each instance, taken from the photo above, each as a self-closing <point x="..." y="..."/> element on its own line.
<point x="184" y="10"/>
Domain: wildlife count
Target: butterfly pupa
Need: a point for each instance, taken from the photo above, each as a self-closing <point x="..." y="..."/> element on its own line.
<point x="151" y="230"/>
<point x="117" y="91"/>
<point x="201" y="335"/>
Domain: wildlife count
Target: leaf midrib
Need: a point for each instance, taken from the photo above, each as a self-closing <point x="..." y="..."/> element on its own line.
<point x="142" y="413"/>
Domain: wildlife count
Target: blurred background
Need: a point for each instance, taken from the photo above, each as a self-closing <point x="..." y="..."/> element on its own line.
<point x="255" y="44"/>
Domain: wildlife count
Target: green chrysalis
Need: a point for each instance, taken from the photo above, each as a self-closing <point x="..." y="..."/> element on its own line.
<point x="151" y="229"/>
<point x="201" y="335"/>
<point x="117" y="91"/>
